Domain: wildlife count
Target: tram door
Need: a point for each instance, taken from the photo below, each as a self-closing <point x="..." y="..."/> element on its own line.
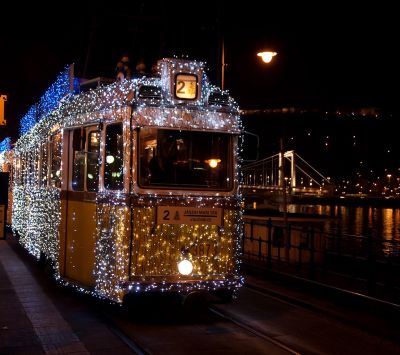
<point x="80" y="221"/>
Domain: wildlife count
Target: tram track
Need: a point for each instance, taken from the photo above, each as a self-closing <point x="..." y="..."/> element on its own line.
<point x="140" y="335"/>
<point x="131" y="343"/>
<point x="342" y="305"/>
<point x="255" y="331"/>
<point x="175" y="332"/>
<point x="227" y="316"/>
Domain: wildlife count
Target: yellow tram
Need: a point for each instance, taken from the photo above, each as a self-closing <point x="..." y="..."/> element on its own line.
<point x="133" y="187"/>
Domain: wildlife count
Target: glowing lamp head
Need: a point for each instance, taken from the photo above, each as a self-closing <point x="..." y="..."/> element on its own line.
<point x="267" y="56"/>
<point x="185" y="267"/>
<point x="213" y="163"/>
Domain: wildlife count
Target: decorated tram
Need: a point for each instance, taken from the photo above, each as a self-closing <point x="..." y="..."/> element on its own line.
<point x="133" y="187"/>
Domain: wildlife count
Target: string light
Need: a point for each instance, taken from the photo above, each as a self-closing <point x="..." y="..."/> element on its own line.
<point x="5" y="144"/>
<point x="50" y="99"/>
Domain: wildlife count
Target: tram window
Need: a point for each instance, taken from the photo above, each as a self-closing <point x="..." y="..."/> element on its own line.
<point x="92" y="177"/>
<point x="181" y="159"/>
<point x="35" y="166"/>
<point x="55" y="172"/>
<point x="25" y="167"/>
<point x="44" y="164"/>
<point x="23" y="171"/>
<point x="113" y="166"/>
<point x="17" y="171"/>
<point x="31" y="167"/>
<point x="78" y="161"/>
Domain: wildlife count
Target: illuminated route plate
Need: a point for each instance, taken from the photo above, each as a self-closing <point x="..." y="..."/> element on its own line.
<point x="186" y="86"/>
<point x="189" y="215"/>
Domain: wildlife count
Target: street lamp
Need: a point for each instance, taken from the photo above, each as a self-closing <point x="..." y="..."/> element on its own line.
<point x="389" y="176"/>
<point x="267" y="56"/>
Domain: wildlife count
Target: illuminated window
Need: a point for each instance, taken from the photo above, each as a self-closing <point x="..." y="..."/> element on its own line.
<point x="44" y="156"/>
<point x="92" y="174"/>
<point x="55" y="151"/>
<point x="185" y="159"/>
<point x="78" y="161"/>
<point x="113" y="160"/>
<point x="85" y="159"/>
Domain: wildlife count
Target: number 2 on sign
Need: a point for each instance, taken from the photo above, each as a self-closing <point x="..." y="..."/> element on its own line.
<point x="166" y="215"/>
<point x="180" y="87"/>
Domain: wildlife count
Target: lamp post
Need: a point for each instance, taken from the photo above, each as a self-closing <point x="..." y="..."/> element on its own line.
<point x="389" y="187"/>
<point x="267" y="57"/>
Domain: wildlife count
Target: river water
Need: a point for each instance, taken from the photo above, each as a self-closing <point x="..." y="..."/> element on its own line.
<point x="360" y="221"/>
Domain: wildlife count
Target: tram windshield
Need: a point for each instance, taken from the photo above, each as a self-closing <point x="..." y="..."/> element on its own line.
<point x="191" y="159"/>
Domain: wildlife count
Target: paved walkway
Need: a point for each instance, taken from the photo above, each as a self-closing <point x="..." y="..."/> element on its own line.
<point x="31" y="322"/>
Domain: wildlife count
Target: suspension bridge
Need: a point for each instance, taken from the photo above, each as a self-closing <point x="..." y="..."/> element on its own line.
<point x="284" y="172"/>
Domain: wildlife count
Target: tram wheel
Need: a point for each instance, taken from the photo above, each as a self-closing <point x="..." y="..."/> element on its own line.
<point x="195" y="302"/>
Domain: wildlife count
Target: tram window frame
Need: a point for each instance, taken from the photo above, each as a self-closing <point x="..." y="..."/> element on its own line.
<point x="53" y="181"/>
<point x="22" y="168"/>
<point x="80" y="148"/>
<point x="78" y="159"/>
<point x="31" y="168"/>
<point x="118" y="159"/>
<point x="17" y="171"/>
<point x="145" y="160"/>
<point x="89" y="132"/>
<point x="36" y="165"/>
<point x="24" y="173"/>
<point x="44" y="164"/>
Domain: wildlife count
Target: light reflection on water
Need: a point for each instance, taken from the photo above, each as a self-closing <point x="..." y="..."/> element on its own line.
<point x="361" y="221"/>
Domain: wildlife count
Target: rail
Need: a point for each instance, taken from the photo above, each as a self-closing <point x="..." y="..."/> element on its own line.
<point x="357" y="263"/>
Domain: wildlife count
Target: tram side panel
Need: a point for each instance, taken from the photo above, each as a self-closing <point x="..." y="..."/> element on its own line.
<point x="78" y="226"/>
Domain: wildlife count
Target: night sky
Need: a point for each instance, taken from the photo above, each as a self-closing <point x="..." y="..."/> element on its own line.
<point x="329" y="56"/>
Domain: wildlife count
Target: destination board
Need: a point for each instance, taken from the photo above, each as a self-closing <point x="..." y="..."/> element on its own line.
<point x="186" y="86"/>
<point x="189" y="215"/>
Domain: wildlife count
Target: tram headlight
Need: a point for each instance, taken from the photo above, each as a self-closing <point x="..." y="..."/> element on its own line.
<point x="185" y="267"/>
<point x="110" y="159"/>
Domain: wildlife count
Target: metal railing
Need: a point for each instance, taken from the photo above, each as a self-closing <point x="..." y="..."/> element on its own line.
<point x="356" y="263"/>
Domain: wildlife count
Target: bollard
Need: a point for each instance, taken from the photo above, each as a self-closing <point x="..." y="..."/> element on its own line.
<point x="312" y="250"/>
<point x="269" y="240"/>
<point x="370" y="277"/>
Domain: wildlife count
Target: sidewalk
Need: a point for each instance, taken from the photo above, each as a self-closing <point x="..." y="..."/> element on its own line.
<point x="38" y="317"/>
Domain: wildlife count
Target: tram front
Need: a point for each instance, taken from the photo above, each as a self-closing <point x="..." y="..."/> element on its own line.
<point x="186" y="208"/>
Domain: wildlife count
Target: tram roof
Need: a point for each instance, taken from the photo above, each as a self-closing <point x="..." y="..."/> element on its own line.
<point x="152" y="102"/>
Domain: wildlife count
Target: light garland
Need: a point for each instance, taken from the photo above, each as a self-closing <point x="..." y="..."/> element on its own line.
<point x="50" y="100"/>
<point x="155" y="248"/>
<point x="5" y="147"/>
<point x="5" y="144"/>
